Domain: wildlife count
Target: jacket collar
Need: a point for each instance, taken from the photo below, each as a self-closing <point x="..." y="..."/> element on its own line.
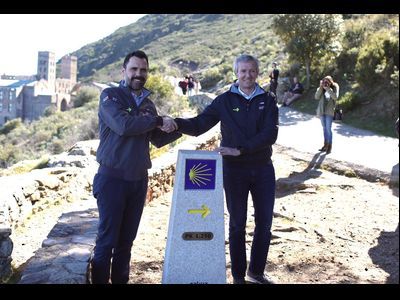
<point x="128" y="91"/>
<point x="235" y="89"/>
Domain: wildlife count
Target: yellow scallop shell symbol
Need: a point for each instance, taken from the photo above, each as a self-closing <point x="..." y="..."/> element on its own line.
<point x="199" y="174"/>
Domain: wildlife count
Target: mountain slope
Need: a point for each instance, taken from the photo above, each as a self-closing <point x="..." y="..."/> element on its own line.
<point x="191" y="41"/>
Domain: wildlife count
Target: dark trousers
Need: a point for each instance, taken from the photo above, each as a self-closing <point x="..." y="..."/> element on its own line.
<point x="273" y="86"/>
<point x="120" y="204"/>
<point x="260" y="182"/>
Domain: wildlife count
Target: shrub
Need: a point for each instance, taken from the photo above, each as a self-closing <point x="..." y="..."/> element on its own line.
<point x="85" y="95"/>
<point x="348" y="101"/>
<point x="160" y="87"/>
<point x="50" y="110"/>
<point x="347" y="60"/>
<point x="10" y="125"/>
<point x="89" y="128"/>
<point x="9" y="154"/>
<point x="211" y="78"/>
<point x="395" y="78"/>
<point x="57" y="146"/>
<point x="42" y="136"/>
<point x="163" y="95"/>
<point x="377" y="59"/>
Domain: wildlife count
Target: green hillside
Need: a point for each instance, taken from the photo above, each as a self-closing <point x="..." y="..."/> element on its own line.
<point x="188" y="42"/>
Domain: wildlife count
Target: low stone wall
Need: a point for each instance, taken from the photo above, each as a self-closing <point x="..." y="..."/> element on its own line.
<point x="6" y="247"/>
<point x="200" y="101"/>
<point x="64" y="256"/>
<point x="69" y="178"/>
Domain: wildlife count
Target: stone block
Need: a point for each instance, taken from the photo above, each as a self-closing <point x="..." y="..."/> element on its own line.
<point x="195" y="251"/>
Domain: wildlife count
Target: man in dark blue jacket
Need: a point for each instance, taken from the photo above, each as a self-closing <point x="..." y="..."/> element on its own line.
<point x="128" y="121"/>
<point x="249" y="128"/>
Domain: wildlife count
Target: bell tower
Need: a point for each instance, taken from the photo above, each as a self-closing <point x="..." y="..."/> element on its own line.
<point x="69" y="68"/>
<point x="46" y="68"/>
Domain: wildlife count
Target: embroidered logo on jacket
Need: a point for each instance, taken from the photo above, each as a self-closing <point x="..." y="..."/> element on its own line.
<point x="236" y="109"/>
<point x="108" y="98"/>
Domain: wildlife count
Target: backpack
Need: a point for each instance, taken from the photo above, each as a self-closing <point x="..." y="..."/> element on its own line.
<point x="338" y="114"/>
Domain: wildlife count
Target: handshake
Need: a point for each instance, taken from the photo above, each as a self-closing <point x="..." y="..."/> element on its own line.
<point x="169" y="124"/>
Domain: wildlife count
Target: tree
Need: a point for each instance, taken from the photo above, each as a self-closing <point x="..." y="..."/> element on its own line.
<point x="308" y="37"/>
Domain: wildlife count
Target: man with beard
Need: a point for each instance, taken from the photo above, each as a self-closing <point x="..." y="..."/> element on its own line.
<point x="128" y="121"/>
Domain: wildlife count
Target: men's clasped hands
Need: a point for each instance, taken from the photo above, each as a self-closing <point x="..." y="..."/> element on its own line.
<point x="169" y="124"/>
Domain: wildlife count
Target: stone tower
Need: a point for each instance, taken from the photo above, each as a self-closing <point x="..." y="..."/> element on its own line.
<point x="69" y="67"/>
<point x="46" y="68"/>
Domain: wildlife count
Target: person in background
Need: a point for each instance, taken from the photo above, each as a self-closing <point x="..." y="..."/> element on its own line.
<point x="294" y="93"/>
<point x="327" y="94"/>
<point x="190" y="85"/>
<point x="183" y="84"/>
<point x="197" y="86"/>
<point x="274" y="78"/>
<point x="249" y="128"/>
<point x="128" y="121"/>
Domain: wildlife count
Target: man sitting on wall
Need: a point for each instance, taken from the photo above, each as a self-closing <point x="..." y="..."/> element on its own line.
<point x="294" y="93"/>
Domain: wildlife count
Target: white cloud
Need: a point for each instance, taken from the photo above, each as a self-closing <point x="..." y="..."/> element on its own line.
<point x="23" y="35"/>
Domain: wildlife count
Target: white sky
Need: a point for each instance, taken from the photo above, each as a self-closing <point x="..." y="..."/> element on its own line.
<point x="23" y="35"/>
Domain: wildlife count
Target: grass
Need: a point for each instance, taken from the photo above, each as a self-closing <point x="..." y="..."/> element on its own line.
<point x="25" y="166"/>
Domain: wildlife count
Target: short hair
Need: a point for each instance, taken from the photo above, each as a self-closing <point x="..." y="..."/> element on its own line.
<point x="245" y="58"/>
<point x="136" y="53"/>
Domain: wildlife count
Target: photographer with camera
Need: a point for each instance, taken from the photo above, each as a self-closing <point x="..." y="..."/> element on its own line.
<point x="327" y="94"/>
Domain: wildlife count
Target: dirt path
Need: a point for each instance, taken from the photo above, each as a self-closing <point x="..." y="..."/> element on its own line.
<point x="327" y="228"/>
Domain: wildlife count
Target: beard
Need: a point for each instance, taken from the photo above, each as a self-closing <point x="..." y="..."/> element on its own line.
<point x="136" y="83"/>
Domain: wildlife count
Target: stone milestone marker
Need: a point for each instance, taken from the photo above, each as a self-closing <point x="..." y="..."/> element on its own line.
<point x="195" y="251"/>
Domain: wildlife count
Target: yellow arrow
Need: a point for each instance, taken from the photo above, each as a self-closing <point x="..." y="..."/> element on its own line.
<point x="205" y="211"/>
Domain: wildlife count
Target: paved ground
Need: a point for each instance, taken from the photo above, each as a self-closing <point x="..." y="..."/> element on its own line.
<point x="303" y="132"/>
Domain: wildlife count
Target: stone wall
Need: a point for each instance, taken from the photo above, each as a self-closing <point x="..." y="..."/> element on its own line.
<point x="68" y="178"/>
<point x="6" y="247"/>
<point x="200" y="101"/>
